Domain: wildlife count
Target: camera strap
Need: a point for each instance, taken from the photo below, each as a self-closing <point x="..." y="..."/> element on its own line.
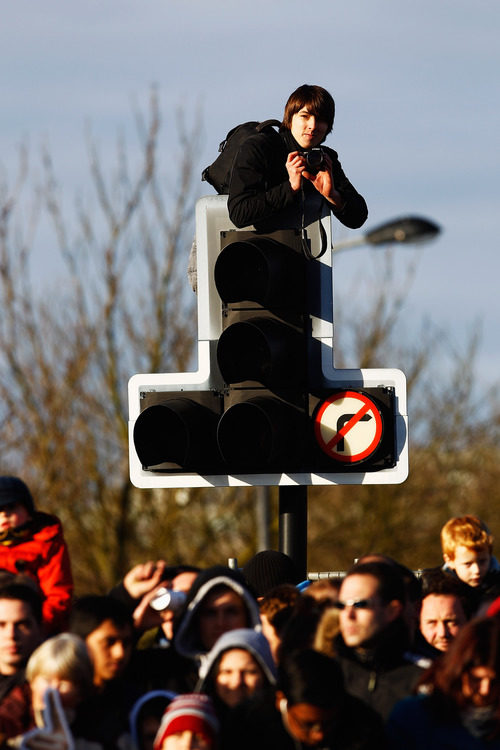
<point x="306" y="245"/>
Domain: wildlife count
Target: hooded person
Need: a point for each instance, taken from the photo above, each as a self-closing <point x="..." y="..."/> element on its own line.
<point x="145" y="719"/>
<point x="218" y="601"/>
<point x="238" y="666"/>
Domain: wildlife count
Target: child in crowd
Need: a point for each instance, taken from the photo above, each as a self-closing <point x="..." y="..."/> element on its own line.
<point x="467" y="546"/>
<point x="32" y="543"/>
<point x="188" y="722"/>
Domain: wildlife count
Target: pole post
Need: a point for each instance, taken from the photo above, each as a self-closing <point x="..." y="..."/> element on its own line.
<point x="263" y="518"/>
<point x="293" y="525"/>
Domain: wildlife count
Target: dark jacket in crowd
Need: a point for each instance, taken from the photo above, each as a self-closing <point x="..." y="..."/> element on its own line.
<point x="475" y="596"/>
<point x="414" y="725"/>
<point x="383" y="675"/>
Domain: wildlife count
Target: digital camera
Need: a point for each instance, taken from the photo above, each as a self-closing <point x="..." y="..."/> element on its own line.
<point x="315" y="159"/>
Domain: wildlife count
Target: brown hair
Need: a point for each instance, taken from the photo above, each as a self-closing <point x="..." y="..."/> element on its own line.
<point x="327" y="629"/>
<point x="277" y="599"/>
<point x="317" y="100"/>
<point x="465" y="531"/>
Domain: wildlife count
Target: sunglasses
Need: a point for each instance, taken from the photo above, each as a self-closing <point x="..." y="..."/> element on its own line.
<point x="355" y="603"/>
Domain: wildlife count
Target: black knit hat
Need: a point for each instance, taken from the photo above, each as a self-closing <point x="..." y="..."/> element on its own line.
<point x="13" y="490"/>
<point x="268" y="569"/>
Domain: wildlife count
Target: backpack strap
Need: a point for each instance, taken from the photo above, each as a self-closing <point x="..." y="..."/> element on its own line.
<point x="266" y="124"/>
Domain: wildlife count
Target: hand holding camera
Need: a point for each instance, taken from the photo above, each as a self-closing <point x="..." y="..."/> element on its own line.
<point x="315" y="160"/>
<point x="306" y="164"/>
<point x="314" y="165"/>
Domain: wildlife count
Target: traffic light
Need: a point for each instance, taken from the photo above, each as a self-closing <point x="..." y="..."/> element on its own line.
<point x="266" y="405"/>
<point x="262" y="351"/>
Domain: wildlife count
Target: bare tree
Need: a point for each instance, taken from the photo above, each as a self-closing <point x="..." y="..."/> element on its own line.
<point x="121" y="307"/>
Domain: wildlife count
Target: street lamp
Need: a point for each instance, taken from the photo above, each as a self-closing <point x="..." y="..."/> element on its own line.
<point x="406" y="230"/>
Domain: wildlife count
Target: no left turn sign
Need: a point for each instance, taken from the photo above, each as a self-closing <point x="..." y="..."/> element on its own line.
<point x="348" y="426"/>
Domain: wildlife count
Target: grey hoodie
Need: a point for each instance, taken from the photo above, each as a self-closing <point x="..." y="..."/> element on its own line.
<point x="245" y="639"/>
<point x="186" y="640"/>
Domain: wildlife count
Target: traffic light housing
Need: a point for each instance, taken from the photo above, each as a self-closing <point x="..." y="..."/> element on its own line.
<point x="266" y="405"/>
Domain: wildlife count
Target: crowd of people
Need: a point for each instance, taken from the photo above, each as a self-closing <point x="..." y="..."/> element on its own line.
<point x="176" y="657"/>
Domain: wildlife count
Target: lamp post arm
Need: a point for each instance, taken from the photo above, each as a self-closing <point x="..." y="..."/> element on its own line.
<point x="407" y="230"/>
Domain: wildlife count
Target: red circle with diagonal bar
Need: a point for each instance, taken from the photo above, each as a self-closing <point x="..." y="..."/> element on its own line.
<point x="348" y="426"/>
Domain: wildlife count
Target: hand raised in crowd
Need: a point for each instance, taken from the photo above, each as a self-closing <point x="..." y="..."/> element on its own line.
<point x="144" y="577"/>
<point x="145" y="617"/>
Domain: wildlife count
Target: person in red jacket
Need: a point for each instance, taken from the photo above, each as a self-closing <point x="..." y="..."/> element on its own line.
<point x="32" y="543"/>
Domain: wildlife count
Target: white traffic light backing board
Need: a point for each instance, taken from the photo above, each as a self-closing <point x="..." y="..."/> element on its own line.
<point x="340" y="415"/>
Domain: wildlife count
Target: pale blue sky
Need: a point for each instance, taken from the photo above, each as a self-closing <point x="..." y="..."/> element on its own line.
<point x="415" y="83"/>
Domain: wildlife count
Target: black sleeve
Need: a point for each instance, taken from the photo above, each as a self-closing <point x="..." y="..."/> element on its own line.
<point x="355" y="211"/>
<point x="120" y="592"/>
<point x="259" y="187"/>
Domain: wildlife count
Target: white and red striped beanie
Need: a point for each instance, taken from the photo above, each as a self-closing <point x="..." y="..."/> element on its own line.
<point x="192" y="712"/>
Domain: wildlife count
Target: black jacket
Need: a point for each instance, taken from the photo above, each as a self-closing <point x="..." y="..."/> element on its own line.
<point x="384" y="675"/>
<point x="260" y="191"/>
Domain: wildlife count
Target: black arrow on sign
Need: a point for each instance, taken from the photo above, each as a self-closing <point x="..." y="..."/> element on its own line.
<point x="341" y="421"/>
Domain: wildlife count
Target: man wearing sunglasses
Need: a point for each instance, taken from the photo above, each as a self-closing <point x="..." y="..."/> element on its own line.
<point x="373" y="645"/>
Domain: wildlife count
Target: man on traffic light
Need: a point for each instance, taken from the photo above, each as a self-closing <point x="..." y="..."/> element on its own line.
<point x="280" y="178"/>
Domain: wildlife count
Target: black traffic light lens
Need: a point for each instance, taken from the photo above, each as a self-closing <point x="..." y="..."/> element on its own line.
<point x="177" y="431"/>
<point x="263" y="271"/>
<point x="262" y="349"/>
<point x="260" y="434"/>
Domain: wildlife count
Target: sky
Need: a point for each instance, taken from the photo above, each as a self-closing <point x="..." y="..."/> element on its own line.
<point x="417" y="112"/>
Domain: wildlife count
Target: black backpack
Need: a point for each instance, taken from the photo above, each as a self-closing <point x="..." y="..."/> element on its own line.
<point x="218" y="174"/>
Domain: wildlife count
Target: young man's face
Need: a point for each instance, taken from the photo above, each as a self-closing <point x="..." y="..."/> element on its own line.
<point x="470" y="565"/>
<point x="221" y="610"/>
<point x="13" y="515"/>
<point x="363" y="615"/>
<point x="441" y="617"/>
<point x="110" y="648"/>
<point x="307" y="129"/>
<point x="19" y="635"/>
